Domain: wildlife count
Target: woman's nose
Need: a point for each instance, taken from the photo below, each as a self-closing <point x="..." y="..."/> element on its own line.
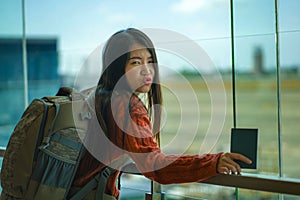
<point x="146" y="70"/>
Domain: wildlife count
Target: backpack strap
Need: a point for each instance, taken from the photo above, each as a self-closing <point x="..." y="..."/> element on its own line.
<point x="102" y="182"/>
<point x="42" y="129"/>
<point x="98" y="181"/>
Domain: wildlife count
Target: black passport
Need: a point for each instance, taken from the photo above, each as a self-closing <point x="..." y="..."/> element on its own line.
<point x="244" y="141"/>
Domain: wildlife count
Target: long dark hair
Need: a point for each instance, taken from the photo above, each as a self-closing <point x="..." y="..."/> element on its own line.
<point x="116" y="53"/>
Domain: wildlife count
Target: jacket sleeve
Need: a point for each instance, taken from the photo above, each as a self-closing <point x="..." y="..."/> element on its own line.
<point x="139" y="143"/>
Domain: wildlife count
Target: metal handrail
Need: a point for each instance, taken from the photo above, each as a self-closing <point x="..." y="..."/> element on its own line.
<point x="258" y="182"/>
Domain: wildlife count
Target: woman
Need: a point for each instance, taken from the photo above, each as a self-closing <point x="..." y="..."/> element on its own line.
<point x="129" y="69"/>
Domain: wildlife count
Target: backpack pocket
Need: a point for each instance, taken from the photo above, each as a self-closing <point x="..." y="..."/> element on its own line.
<point x="55" y="167"/>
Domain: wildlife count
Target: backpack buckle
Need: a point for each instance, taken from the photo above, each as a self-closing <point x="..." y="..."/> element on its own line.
<point x="85" y="115"/>
<point x="106" y="172"/>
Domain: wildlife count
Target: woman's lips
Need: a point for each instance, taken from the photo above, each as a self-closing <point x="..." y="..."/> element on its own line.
<point x="147" y="80"/>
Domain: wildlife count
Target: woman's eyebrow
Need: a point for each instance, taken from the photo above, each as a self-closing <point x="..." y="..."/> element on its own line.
<point x="135" y="57"/>
<point x="140" y="58"/>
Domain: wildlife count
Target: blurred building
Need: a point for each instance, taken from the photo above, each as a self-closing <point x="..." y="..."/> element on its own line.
<point x="42" y="59"/>
<point x="42" y="74"/>
<point x="258" y="60"/>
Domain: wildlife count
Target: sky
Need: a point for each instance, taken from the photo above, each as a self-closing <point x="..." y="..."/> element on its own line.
<point x="81" y="26"/>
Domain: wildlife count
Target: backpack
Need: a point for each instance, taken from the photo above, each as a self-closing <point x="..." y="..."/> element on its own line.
<point x="45" y="149"/>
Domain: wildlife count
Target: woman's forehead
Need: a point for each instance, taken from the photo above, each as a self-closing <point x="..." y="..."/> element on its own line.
<point x="137" y="46"/>
<point x="139" y="50"/>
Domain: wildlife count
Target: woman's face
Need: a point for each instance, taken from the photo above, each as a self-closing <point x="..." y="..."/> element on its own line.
<point x="139" y="71"/>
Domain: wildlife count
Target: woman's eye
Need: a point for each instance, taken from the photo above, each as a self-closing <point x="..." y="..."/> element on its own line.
<point x="136" y="62"/>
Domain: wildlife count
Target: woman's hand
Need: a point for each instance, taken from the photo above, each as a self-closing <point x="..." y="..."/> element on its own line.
<point x="227" y="165"/>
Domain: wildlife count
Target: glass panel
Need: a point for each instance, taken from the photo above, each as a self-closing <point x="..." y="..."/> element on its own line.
<point x="198" y="191"/>
<point x="255" y="60"/>
<point x="290" y="84"/>
<point x="11" y="68"/>
<point x="256" y="95"/>
<point x="134" y="187"/>
<point x="253" y="194"/>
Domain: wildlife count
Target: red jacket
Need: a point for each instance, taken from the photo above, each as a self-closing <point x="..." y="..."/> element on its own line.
<point x="138" y="142"/>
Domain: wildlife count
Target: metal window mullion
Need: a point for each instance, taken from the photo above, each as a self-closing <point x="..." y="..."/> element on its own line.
<point x="278" y="90"/>
<point x="24" y="52"/>
<point x="233" y="64"/>
<point x="233" y="75"/>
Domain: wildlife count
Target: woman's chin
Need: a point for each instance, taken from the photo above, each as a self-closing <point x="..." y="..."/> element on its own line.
<point x="143" y="89"/>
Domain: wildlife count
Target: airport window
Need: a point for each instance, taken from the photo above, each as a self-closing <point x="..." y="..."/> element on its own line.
<point x="257" y="64"/>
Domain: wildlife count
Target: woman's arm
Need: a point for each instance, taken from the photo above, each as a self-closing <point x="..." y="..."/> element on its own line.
<point x="136" y="138"/>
